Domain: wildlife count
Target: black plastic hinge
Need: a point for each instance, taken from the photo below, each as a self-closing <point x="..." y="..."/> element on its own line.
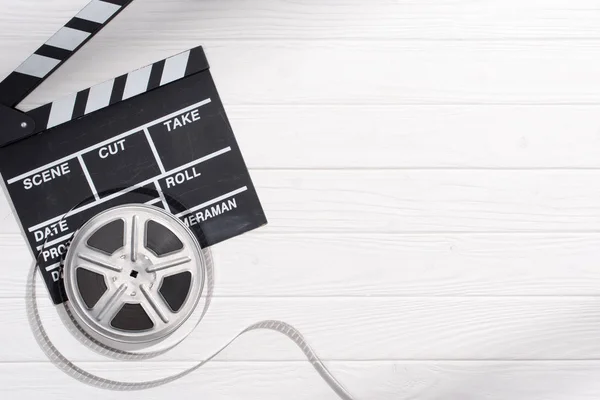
<point x="14" y="125"/>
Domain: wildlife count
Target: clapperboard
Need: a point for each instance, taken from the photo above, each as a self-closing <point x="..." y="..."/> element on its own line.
<point x="158" y="135"/>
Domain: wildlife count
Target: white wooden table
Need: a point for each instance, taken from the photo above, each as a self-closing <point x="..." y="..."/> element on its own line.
<point x="431" y="173"/>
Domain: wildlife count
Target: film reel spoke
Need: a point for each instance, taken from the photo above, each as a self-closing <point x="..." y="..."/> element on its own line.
<point x="174" y="264"/>
<point x="108" y="305"/>
<point x="98" y="262"/>
<point x="156" y="304"/>
<point x="136" y="236"/>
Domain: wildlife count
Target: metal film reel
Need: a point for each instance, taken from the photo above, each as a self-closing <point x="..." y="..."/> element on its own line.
<point x="135" y="277"/>
<point x="133" y="274"/>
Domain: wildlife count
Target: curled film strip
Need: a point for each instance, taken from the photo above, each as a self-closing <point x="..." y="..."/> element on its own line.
<point x="65" y="312"/>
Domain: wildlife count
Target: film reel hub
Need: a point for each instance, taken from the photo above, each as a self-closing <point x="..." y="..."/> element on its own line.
<point x="133" y="275"/>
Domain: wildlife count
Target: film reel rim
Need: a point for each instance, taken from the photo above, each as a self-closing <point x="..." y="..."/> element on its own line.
<point x="119" y="338"/>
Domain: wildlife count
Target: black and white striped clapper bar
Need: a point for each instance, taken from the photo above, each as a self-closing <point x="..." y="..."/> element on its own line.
<point x="158" y="135"/>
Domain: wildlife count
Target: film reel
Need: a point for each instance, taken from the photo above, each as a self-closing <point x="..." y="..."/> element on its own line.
<point x="99" y="240"/>
<point x="133" y="274"/>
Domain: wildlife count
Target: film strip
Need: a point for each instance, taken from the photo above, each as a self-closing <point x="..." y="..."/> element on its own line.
<point x="71" y="369"/>
<point x="71" y="317"/>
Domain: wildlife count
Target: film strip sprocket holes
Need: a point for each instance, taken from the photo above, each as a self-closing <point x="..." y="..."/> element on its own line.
<point x="58" y="49"/>
<point x="122" y="88"/>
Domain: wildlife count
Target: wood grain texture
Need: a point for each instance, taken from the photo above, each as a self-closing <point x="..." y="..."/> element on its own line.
<point x="356" y="72"/>
<point x="430" y="173"/>
<point x="298" y="381"/>
<point x="398" y="136"/>
<point x="339" y="19"/>
<point x="362" y="265"/>
<point x="374" y="328"/>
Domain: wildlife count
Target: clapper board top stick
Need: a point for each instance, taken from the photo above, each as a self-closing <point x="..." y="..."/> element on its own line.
<point x="158" y="135"/>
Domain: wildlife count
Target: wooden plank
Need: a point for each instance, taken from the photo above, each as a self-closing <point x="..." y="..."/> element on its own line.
<point x="432" y="380"/>
<point x="261" y="265"/>
<point x="371" y="72"/>
<point x="430" y="201"/>
<point x="351" y="256"/>
<point x="339" y="19"/>
<point x="400" y="136"/>
<point x="360" y="72"/>
<point x="423" y="201"/>
<point x="375" y="328"/>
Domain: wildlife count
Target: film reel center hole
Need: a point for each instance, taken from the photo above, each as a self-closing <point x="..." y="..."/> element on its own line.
<point x="134" y="274"/>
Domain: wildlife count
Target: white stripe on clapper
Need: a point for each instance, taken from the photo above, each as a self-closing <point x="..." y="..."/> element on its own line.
<point x="154" y="151"/>
<point x="62" y="111"/>
<point x="175" y="68"/>
<point x="53" y="266"/>
<point x="68" y="38"/>
<point x="137" y="82"/>
<point x="37" y="65"/>
<point x="99" y="96"/>
<point x="88" y="177"/>
<point x="162" y="196"/>
<point x="98" y="11"/>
